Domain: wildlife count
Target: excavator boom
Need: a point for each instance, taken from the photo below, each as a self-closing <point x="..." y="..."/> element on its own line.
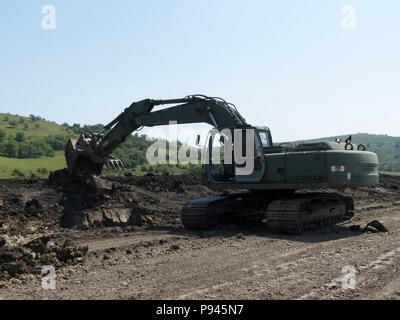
<point x="88" y="154"/>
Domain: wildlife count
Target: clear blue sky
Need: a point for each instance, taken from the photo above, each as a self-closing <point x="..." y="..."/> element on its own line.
<point x="287" y="64"/>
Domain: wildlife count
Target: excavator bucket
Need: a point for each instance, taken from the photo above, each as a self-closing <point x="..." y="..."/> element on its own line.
<point x="82" y="160"/>
<point x="71" y="154"/>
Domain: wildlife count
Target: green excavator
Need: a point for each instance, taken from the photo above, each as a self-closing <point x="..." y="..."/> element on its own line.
<point x="289" y="187"/>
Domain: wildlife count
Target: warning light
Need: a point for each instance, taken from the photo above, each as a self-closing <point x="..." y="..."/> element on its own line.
<point x="338" y="140"/>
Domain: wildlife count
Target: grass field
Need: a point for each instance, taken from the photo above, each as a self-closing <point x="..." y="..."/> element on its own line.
<point x="391" y="173"/>
<point x="29" y="166"/>
<point x="35" y="166"/>
<point x="45" y="128"/>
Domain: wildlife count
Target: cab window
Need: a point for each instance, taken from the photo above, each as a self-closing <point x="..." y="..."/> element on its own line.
<point x="265" y="139"/>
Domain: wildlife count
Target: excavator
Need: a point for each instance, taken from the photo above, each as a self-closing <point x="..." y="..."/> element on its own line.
<point x="291" y="188"/>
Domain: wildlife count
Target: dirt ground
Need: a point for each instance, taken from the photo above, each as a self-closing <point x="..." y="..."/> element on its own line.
<point x="128" y="243"/>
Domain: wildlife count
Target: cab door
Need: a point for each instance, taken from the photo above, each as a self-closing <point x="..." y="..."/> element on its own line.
<point x="237" y="157"/>
<point x="253" y="168"/>
<point x="217" y="157"/>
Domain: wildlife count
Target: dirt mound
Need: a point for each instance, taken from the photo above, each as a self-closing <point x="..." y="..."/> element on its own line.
<point x="37" y="206"/>
<point x="29" y="257"/>
<point x="28" y="206"/>
<point x="121" y="201"/>
<point x="63" y="181"/>
<point x="164" y="183"/>
<point x="145" y="201"/>
<point x="389" y="181"/>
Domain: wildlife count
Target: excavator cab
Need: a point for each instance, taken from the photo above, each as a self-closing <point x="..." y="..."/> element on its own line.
<point x="236" y="155"/>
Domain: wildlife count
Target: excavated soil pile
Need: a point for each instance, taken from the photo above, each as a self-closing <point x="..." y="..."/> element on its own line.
<point x="124" y="201"/>
<point x="163" y="183"/>
<point x="38" y="206"/>
<point x="28" y="206"/>
<point x="389" y="182"/>
<point x="30" y="256"/>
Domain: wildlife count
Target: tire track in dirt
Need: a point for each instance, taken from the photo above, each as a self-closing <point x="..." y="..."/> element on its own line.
<point x="319" y="257"/>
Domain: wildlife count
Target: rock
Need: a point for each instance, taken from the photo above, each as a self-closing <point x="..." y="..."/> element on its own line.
<point x="15" y="282"/>
<point x="174" y="247"/>
<point x="370" y="229"/>
<point x="137" y="219"/>
<point x="376" y="225"/>
<point x="5" y="241"/>
<point x="101" y="185"/>
<point x="24" y="258"/>
<point x="33" y="206"/>
<point x="69" y="251"/>
<point x="38" y="245"/>
<point x="113" y="217"/>
<point x="14" y="268"/>
<point x="240" y="236"/>
<point x="10" y="255"/>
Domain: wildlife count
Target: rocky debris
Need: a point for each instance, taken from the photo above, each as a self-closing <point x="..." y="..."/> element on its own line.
<point x="163" y="183"/>
<point x="81" y="184"/>
<point x="389" y="181"/>
<point x="4" y="241"/>
<point x="240" y="236"/>
<point x="122" y="201"/>
<point x="36" y="206"/>
<point x="174" y="247"/>
<point x="27" y="206"/>
<point x="373" y="227"/>
<point x="88" y="210"/>
<point x="33" y="206"/>
<point x="30" y="256"/>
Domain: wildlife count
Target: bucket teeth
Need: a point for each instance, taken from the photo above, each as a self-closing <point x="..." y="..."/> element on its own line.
<point x="114" y="164"/>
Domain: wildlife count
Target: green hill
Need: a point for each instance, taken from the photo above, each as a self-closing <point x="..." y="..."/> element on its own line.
<point x="33" y="126"/>
<point x="30" y="147"/>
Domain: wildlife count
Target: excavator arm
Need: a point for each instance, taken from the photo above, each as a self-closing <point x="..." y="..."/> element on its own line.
<point x="88" y="154"/>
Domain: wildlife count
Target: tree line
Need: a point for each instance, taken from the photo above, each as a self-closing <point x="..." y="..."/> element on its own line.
<point x="19" y="146"/>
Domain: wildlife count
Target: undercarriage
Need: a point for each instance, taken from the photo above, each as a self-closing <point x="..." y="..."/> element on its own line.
<point x="285" y="212"/>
